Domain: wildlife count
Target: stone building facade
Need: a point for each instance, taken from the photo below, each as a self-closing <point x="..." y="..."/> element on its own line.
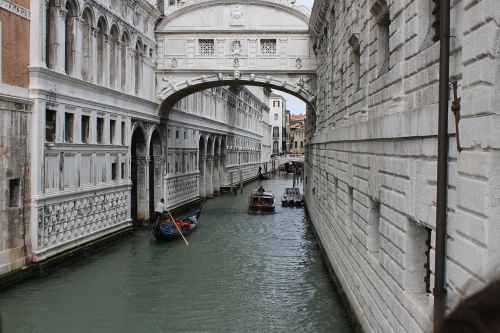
<point x="372" y="151"/>
<point x="277" y="107"/>
<point x="92" y="77"/>
<point x="214" y="137"/>
<point x="15" y="116"/>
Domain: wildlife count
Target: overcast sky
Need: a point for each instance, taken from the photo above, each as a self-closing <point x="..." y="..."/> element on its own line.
<point x="295" y="105"/>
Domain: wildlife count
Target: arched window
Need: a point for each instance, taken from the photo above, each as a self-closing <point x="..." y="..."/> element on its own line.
<point x="101" y="33"/>
<point x="86" y="45"/>
<point x="51" y="34"/>
<point x="123" y="59"/>
<point x="138" y="69"/>
<point x="69" y="37"/>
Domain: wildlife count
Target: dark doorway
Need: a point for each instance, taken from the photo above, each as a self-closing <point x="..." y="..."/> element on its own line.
<point x="137" y="174"/>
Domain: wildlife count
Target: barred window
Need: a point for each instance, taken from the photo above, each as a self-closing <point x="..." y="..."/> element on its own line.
<point x="206" y="47"/>
<point x="268" y="46"/>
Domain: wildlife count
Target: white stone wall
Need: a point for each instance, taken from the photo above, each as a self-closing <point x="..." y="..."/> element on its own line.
<point x="371" y="158"/>
<point x="81" y="177"/>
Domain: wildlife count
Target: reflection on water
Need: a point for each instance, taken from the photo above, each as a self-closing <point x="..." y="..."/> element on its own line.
<point x="241" y="273"/>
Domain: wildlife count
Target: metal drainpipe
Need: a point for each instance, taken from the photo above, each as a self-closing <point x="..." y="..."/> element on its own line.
<point x="442" y="168"/>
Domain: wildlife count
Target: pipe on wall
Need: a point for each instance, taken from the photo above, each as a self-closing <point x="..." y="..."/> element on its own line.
<point x="442" y="168"/>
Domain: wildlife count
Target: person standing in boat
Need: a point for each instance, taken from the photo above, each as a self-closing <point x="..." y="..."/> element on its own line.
<point x="160" y="209"/>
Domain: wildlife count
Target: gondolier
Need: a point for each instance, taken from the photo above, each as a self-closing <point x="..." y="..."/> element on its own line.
<point x="160" y="209"/>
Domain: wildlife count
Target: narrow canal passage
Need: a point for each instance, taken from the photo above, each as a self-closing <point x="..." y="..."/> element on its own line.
<point x="241" y="273"/>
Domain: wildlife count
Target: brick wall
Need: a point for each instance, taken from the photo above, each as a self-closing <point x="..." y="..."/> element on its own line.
<point x="371" y="170"/>
<point x="15" y="46"/>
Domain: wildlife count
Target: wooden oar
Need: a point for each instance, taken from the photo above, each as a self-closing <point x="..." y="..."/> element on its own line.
<point x="178" y="229"/>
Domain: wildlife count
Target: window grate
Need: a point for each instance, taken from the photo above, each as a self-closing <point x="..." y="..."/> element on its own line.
<point x="268" y="46"/>
<point x="206" y="47"/>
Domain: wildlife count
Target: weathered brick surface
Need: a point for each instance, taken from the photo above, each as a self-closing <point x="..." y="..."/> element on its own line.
<point x="15" y="47"/>
<point x="379" y="142"/>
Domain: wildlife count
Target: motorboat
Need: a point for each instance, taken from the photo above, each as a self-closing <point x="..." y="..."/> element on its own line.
<point x="292" y="197"/>
<point x="261" y="201"/>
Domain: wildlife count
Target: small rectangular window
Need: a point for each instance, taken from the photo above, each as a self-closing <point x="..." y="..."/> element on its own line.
<point x="14" y="189"/>
<point x="68" y="127"/>
<point x="123" y="170"/>
<point x="100" y="130"/>
<point x="276" y="116"/>
<point x="50" y="125"/>
<point x="206" y="47"/>
<point x="177" y="134"/>
<point x="268" y="46"/>
<point x="112" y="125"/>
<point x="114" y="169"/>
<point x="124" y="135"/>
<point x="85" y="128"/>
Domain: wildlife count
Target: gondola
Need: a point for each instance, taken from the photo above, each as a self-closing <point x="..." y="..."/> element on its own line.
<point x="169" y="231"/>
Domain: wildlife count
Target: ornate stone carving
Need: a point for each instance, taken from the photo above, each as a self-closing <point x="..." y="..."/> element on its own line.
<point x="236" y="62"/>
<point x="236" y="16"/>
<point x="60" y="222"/>
<point x="236" y="46"/>
<point x="174" y="62"/>
<point x="298" y="63"/>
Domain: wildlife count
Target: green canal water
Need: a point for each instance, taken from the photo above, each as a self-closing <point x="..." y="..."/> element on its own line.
<point x="240" y="273"/>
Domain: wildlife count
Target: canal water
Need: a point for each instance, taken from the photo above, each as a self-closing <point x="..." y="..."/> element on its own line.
<point x="240" y="273"/>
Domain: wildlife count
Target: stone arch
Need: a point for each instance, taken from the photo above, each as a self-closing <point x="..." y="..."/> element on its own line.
<point x="125" y="40"/>
<point x="87" y="23"/>
<point x="113" y="56"/>
<point x="172" y="92"/>
<point x="138" y="211"/>
<point x="155" y="154"/>
<point x="102" y="31"/>
<point x="70" y="23"/>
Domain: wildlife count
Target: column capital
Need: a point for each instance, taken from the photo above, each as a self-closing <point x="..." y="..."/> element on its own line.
<point x="63" y="13"/>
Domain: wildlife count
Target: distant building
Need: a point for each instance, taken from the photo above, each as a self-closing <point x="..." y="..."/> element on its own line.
<point x="277" y="105"/>
<point x="297" y="133"/>
<point x="286" y="133"/>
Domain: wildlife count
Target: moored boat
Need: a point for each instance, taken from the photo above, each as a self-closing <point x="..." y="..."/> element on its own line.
<point x="261" y="201"/>
<point x="292" y="197"/>
<point x="165" y="232"/>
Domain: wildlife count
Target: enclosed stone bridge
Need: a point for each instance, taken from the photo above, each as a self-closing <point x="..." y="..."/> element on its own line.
<point x="209" y="43"/>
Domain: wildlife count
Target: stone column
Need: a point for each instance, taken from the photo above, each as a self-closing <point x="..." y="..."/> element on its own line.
<point x="131" y="81"/>
<point x="77" y="43"/>
<point x="38" y="41"/>
<point x="202" y="169"/>
<point x="105" y="61"/>
<point x="216" y="175"/>
<point x="59" y="45"/>
<point x="93" y="49"/>
<point x="222" y="170"/>
<point x="118" y="66"/>
<point x="210" y="176"/>
<point x="146" y="185"/>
